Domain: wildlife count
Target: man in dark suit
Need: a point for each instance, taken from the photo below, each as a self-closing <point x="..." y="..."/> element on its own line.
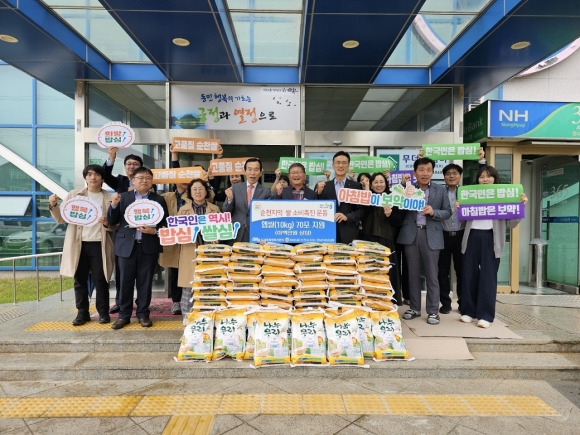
<point x="239" y="196"/>
<point x="137" y="249"/>
<point x="297" y="189"/>
<point x="347" y="215"/>
<point x="422" y="236"/>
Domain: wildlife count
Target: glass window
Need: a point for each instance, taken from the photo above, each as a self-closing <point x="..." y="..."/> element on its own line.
<point x="18" y="141"/>
<point x="15" y="96"/>
<point x="13" y="179"/>
<point x="53" y="107"/>
<point x="55" y="155"/>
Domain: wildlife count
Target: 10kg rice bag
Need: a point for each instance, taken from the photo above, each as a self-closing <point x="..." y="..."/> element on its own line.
<point x="271" y="338"/>
<point x="343" y="335"/>
<point x="197" y="339"/>
<point x="308" y="337"/>
<point x="388" y="335"/>
<point x="230" y="333"/>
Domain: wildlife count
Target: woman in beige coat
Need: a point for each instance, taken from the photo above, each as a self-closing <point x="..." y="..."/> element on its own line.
<point x="88" y="248"/>
<point x="198" y="191"/>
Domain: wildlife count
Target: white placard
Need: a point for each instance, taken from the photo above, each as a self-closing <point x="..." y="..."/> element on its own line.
<point x="143" y="213"/>
<point x="81" y="210"/>
<point x="115" y="134"/>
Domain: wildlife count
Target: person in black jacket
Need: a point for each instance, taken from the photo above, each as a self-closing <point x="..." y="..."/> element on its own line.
<point x="121" y="183"/>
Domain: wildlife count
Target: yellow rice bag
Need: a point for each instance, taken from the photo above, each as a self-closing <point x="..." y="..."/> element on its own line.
<point x="246" y="248"/>
<point x="332" y="269"/>
<point x="280" y="281"/>
<point x="244" y="267"/>
<point x="305" y="268"/>
<point x="310" y="303"/>
<point x="242" y="295"/>
<point x="388" y="336"/>
<point x="276" y="271"/>
<point x="205" y="304"/>
<point x="251" y="327"/>
<point x="230" y="333"/>
<point x="281" y="262"/>
<point x="336" y="296"/>
<point x="379" y="305"/>
<point x="214" y="260"/>
<point x="308" y="337"/>
<point x="376" y="287"/>
<point x="271" y="338"/>
<point x="342" y="333"/>
<point x="312" y="285"/>
<point x="197" y="339"/>
<point x="310" y="248"/>
<point x="219" y="295"/>
<point x="340" y="287"/>
<point x="277" y="250"/>
<point x="308" y="258"/>
<point x="277" y="290"/>
<point x="299" y="295"/>
<point x="244" y="277"/>
<point x="340" y="259"/>
<point x="364" y="325"/>
<point x="311" y="276"/>
<point x="375" y="277"/>
<point x="213" y="248"/>
<point x="209" y="279"/>
<point x="242" y="286"/>
<point x="381" y="260"/>
<point x="340" y="248"/>
<point x="247" y="258"/>
<point x="209" y="269"/>
<point x="272" y="296"/>
<point x="246" y="303"/>
<point x="342" y="279"/>
<point x="274" y="303"/>
<point x="366" y="247"/>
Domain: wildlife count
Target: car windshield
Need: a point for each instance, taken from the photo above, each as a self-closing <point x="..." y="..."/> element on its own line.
<point x="44" y="226"/>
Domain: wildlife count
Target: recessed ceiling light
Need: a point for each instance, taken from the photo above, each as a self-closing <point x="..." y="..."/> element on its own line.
<point x="182" y="42"/>
<point x="8" y="38"/>
<point x="350" y="44"/>
<point x="520" y="45"/>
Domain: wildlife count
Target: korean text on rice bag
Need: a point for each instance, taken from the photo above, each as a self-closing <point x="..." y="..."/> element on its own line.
<point x="388" y="335"/>
<point x="310" y="248"/>
<point x="213" y="249"/>
<point x="271" y="338"/>
<point x="308" y="337"/>
<point x="342" y="333"/>
<point x="230" y="333"/>
<point x="246" y="248"/>
<point x="197" y="339"/>
<point x="278" y="250"/>
<point x="364" y="326"/>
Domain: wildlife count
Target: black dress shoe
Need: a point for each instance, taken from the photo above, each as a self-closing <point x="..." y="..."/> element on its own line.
<point x="114" y="309"/>
<point x="145" y="322"/>
<point x="81" y="319"/>
<point x="120" y="323"/>
<point x="445" y="310"/>
<point x="104" y="319"/>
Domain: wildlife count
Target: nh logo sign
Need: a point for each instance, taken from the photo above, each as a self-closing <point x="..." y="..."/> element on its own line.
<point x="513" y="115"/>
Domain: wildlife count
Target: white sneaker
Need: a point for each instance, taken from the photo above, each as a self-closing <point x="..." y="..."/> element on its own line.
<point x="483" y="323"/>
<point x="465" y="319"/>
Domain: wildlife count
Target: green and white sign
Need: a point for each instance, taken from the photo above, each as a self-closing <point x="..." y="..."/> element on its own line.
<point x="464" y="151"/>
<point x="371" y="164"/>
<point x="312" y="166"/>
<point x="489" y="193"/>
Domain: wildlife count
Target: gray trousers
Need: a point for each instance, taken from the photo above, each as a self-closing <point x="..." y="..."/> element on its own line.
<point x="417" y="253"/>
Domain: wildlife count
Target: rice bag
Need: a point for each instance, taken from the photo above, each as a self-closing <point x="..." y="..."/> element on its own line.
<point x="276" y="271"/>
<point x="364" y="325"/>
<point x="197" y="339"/>
<point x="308" y="258"/>
<point x="244" y="277"/>
<point x="246" y="248"/>
<point x="280" y="281"/>
<point x="271" y="338"/>
<point x="308" y="337"/>
<point x="340" y="248"/>
<point x="277" y="250"/>
<point x="366" y="247"/>
<point x="230" y="333"/>
<point x="209" y="268"/>
<point x="340" y="259"/>
<point x="310" y="248"/>
<point x="247" y="258"/>
<point x="388" y="336"/>
<point x="213" y="249"/>
<point x="282" y="262"/>
<point x="244" y="267"/>
<point x="343" y="335"/>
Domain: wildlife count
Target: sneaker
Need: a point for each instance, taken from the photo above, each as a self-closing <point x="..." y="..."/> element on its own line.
<point x="406" y="302"/>
<point x="411" y="314"/>
<point x="483" y="323"/>
<point x="465" y="319"/>
<point x="176" y="308"/>
<point x="445" y="310"/>
<point x="81" y="319"/>
<point x="433" y="319"/>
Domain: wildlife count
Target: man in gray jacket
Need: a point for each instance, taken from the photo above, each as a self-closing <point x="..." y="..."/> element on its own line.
<point x="422" y="236"/>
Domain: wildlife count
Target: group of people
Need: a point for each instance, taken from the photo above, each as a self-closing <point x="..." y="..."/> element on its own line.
<point x="429" y="237"/>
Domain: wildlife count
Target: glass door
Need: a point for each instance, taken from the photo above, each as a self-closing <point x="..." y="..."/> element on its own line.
<point x="560" y="210"/>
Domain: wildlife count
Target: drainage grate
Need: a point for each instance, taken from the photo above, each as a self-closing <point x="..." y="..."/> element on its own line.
<point x="11" y="314"/>
<point x="566" y="301"/>
<point x="518" y="320"/>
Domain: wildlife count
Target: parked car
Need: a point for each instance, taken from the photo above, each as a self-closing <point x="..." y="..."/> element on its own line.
<point x="8" y="227"/>
<point x="49" y="238"/>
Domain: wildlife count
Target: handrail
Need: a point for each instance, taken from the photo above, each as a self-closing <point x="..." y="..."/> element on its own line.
<point x="24" y="257"/>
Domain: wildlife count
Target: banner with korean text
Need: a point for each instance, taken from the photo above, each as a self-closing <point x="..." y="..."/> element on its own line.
<point x="405" y="198"/>
<point x="288" y="221"/>
<point x="235" y="107"/>
<point x="196" y="145"/>
<point x="212" y="227"/>
<point x="115" y="134"/>
<point x="81" y="210"/>
<point x="370" y="164"/>
<point x="490" y="201"/>
<point x="234" y="166"/>
<point x="312" y="166"/>
<point x="463" y="151"/>
<point x="143" y="213"/>
<point x="178" y="175"/>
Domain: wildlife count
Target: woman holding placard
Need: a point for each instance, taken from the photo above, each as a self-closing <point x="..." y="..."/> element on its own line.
<point x="88" y="243"/>
<point x="482" y="245"/>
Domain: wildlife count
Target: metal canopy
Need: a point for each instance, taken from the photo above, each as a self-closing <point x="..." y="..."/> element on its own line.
<point x="480" y="58"/>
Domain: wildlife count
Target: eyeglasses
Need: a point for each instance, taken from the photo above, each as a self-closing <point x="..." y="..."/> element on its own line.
<point x="143" y="178"/>
<point x="132" y="164"/>
<point x="198" y="190"/>
<point x="452" y="173"/>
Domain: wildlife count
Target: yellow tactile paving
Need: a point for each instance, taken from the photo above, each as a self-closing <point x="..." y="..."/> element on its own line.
<point x="160" y="325"/>
<point x="199" y="404"/>
<point x="71" y="406"/>
<point x="116" y="406"/>
<point x="364" y="404"/>
<point x="156" y="405"/>
<point x="274" y="404"/>
<point x="323" y="404"/>
<point x="198" y="425"/>
<point x="281" y="404"/>
<point x="240" y="404"/>
<point x="406" y="404"/>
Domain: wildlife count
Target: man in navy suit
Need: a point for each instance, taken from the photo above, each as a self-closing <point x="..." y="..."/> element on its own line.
<point x="422" y="236"/>
<point x="137" y="249"/>
<point x="347" y="215"/>
<point x="298" y="189"/>
<point x="239" y="196"/>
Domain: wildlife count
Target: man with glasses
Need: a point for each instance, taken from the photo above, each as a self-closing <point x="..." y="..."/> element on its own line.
<point x="137" y="249"/>
<point x="348" y="215"/>
<point x="297" y="190"/>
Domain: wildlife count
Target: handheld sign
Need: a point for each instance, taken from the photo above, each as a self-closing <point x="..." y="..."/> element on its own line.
<point x="115" y="134"/>
<point x="143" y="213"/>
<point x="81" y="210"/>
<point x="405" y="198"/>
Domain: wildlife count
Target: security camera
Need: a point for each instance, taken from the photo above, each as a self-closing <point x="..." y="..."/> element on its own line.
<point x="337" y="142"/>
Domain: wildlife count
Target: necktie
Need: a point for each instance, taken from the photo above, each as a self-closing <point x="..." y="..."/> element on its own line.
<point x="250" y="192"/>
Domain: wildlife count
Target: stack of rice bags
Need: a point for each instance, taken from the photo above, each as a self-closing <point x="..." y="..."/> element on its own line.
<point x="210" y="278"/>
<point x="342" y="273"/>
<point x="278" y="278"/>
<point x="244" y="273"/>
<point x="373" y="269"/>
<point x="311" y="275"/>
